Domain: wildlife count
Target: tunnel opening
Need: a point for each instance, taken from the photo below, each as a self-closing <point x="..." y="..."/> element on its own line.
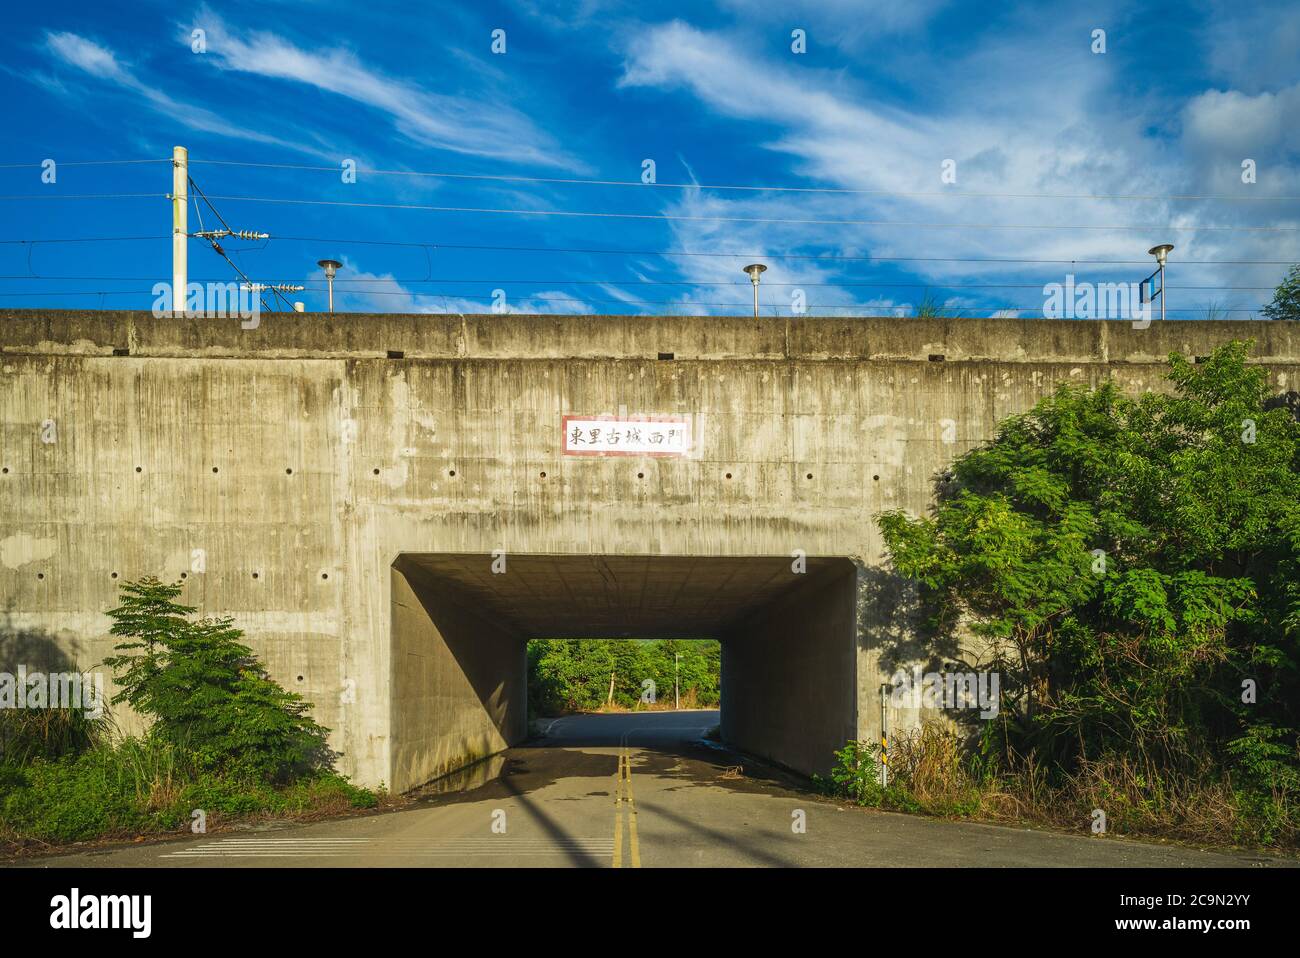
<point x="461" y="623"/>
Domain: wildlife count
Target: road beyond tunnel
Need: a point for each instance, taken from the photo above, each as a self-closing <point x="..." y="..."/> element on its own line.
<point x="461" y="622"/>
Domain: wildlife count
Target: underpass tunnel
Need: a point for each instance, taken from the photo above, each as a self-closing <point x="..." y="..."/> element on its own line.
<point x="461" y="622"/>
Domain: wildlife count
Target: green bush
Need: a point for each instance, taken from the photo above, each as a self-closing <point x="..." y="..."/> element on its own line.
<point x="1130" y="562"/>
<point x="224" y="738"/>
<point x="75" y="798"/>
<point x="146" y="786"/>
<point x="856" y="773"/>
<point x="207" y="693"/>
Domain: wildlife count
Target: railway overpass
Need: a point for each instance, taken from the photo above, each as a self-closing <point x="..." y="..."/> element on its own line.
<point x="390" y="506"/>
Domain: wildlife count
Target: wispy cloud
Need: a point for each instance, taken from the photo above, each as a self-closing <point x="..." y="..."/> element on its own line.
<point x="1006" y="133"/>
<point x="102" y="63"/>
<point x="480" y="125"/>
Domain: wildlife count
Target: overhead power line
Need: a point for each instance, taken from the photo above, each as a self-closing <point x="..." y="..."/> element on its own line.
<point x="572" y="181"/>
<point x="599" y="214"/>
<point x="560" y="281"/>
<point x="973" y="310"/>
<point x="38" y="166"/>
<point x="834" y="257"/>
<point x="86" y="239"/>
<point x="743" y="305"/>
<point x="84" y="196"/>
<point x="595" y="250"/>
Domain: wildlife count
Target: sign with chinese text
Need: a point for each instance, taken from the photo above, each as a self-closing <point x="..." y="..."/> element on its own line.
<point x="627" y="435"/>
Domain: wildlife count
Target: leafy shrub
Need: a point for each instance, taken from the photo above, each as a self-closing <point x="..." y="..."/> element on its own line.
<point x="145" y="785"/>
<point x="207" y="693"/>
<point x="1128" y="562"/>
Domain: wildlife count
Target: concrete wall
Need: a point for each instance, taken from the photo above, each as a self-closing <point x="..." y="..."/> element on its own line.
<point x="459" y="682"/>
<point x="333" y="459"/>
<point x="789" y="689"/>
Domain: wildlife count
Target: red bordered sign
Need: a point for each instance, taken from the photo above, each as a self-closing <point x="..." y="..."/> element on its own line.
<point x="626" y="435"/>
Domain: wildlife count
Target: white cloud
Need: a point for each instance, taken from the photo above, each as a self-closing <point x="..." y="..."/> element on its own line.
<point x="479" y="125"/>
<point x="1231" y="120"/>
<point x="360" y="291"/>
<point x="102" y="63"/>
<point x="1008" y="133"/>
<point x="89" y="56"/>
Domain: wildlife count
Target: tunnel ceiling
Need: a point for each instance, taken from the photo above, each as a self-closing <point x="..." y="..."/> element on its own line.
<point x="567" y="596"/>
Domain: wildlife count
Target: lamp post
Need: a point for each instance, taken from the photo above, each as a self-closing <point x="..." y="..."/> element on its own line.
<point x="1161" y="253"/>
<point x="755" y="270"/>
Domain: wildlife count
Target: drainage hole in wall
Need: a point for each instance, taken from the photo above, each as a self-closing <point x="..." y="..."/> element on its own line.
<point x="112" y="575"/>
<point x="396" y="354"/>
<point x="184" y="576"/>
<point x="324" y="575"/>
<point x="451" y="472"/>
<point x="255" y="575"/>
<point x="640" y="475"/>
<point x="214" y="468"/>
<point x="137" y="469"/>
<point x="809" y="476"/>
<point x="288" y="472"/>
<point x="300" y="678"/>
<point x="542" y="474"/>
<point x="40" y="575"/>
<point x="875" y="478"/>
<point x="5" y="470"/>
<point x="121" y="352"/>
<point x="728" y="475"/>
<point x="376" y="472"/>
<point x="665" y="355"/>
<point x="936" y="357"/>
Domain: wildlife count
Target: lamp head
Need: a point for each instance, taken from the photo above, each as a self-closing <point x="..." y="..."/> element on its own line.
<point x="1161" y="252"/>
<point x="754" y="270"/>
<point x="331" y="266"/>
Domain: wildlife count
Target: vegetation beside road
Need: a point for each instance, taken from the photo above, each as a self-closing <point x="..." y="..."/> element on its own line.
<point x="1133" y="564"/>
<point x="574" y="675"/>
<point x="224" y="741"/>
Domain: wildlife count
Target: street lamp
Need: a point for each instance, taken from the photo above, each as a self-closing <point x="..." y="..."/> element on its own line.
<point x="755" y="270"/>
<point x="1161" y="253"/>
<point x="331" y="266"/>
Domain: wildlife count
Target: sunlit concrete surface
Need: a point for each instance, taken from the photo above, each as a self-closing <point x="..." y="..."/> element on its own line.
<point x="300" y="474"/>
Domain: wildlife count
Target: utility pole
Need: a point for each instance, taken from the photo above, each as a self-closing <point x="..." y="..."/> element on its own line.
<point x="180" y="227"/>
<point x="884" y="737"/>
<point x="677" y="688"/>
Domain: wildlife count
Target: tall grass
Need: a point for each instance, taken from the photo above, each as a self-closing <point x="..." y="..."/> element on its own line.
<point x="931" y="771"/>
<point x="28" y="734"/>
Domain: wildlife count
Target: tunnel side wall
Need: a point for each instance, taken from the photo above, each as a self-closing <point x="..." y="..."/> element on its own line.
<point x="341" y="442"/>
<point x="789" y="690"/>
<point x="459" y="684"/>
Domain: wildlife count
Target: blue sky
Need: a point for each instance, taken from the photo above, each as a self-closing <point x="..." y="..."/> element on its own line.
<point x="885" y="93"/>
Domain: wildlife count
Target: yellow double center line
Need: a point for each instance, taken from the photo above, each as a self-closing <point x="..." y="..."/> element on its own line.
<point x="623" y="787"/>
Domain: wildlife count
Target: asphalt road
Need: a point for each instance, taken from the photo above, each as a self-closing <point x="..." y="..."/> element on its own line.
<point x="634" y="790"/>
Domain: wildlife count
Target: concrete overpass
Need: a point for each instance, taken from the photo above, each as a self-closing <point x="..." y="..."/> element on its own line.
<point x="391" y="505"/>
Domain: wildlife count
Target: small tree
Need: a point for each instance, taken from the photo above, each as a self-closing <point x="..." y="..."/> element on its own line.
<point x="206" y="692"/>
<point x="1286" y="299"/>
